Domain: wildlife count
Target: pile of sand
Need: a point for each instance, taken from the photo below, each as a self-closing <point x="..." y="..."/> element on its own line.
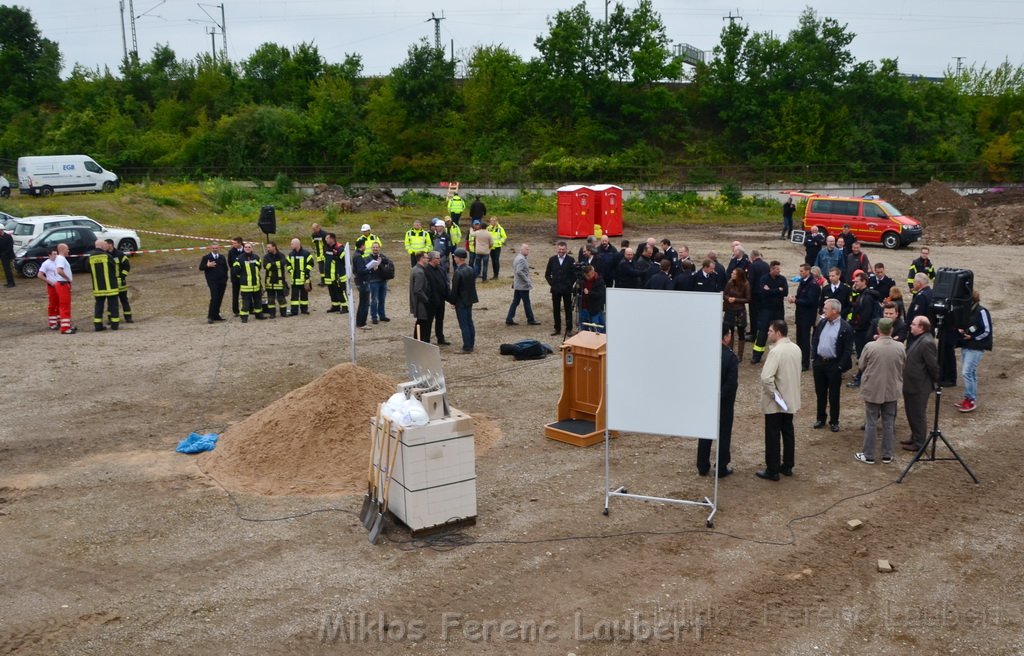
<point x="372" y="200"/>
<point x="314" y="440"/>
<point x="938" y="197"/>
<point x="897" y="198"/>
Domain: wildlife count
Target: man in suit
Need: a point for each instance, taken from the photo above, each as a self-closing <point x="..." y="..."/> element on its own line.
<point x="881" y="385"/>
<point x="561" y="276"/>
<point x="420" y="299"/>
<point x="780" y="379"/>
<point x="463" y="297"/>
<point x="215" y="266"/>
<point x="806" y="301"/>
<point x="726" y="405"/>
<point x="832" y="351"/>
<point x="920" y="373"/>
<point x="758" y="270"/>
<point x="837" y="289"/>
<point x="706" y="280"/>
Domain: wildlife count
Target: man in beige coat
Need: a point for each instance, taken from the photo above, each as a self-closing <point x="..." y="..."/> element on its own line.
<point x="780" y="400"/>
<point x="881" y="386"/>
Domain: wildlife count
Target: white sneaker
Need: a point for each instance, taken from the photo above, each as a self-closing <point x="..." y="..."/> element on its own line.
<point x="863" y="458"/>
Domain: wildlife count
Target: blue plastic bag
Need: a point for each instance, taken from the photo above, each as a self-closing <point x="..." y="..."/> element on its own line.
<point x="197" y="443"/>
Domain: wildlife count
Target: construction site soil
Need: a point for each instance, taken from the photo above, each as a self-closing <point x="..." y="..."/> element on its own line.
<point x="112" y="543"/>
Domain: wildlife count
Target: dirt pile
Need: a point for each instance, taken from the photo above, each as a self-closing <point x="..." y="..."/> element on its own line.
<point x="313" y="440"/>
<point x="371" y="200"/>
<point x="999" y="196"/>
<point x="897" y="198"/>
<point x="937" y="197"/>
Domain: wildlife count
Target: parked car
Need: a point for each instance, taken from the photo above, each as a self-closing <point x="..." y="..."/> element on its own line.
<point x="80" y="240"/>
<point x="5" y="187"/>
<point x="7" y="221"/>
<point x="871" y="219"/>
<point x="27" y="228"/>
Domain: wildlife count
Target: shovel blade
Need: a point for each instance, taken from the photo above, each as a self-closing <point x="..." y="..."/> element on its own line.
<point x="371" y="514"/>
<point x="377" y="528"/>
<point x="365" y="510"/>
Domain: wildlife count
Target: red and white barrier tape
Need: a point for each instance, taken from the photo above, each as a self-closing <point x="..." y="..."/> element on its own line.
<point x="151" y="250"/>
<point x="170" y="234"/>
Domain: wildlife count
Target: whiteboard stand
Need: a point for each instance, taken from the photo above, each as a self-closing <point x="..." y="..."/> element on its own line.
<point x="621" y="491"/>
<point x="687" y="336"/>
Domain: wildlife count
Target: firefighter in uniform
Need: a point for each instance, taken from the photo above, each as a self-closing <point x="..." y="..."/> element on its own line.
<point x="417" y="240"/>
<point x="774" y="290"/>
<point x="334" y="273"/>
<point x="275" y="265"/>
<point x="247" y="266"/>
<point x="921" y="265"/>
<point x="498" y="239"/>
<point x="366" y="240"/>
<point x="103" y="268"/>
<point x="123" y="268"/>
<point x="300" y="267"/>
<point x="318" y="249"/>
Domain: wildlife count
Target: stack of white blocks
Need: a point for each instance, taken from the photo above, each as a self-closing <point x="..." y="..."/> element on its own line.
<point x="435" y="473"/>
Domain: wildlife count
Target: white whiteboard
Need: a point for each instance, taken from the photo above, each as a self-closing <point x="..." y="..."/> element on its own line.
<point x="664" y="362"/>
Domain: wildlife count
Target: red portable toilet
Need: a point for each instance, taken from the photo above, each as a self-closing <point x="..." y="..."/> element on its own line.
<point x="608" y="201"/>
<point x="575" y="211"/>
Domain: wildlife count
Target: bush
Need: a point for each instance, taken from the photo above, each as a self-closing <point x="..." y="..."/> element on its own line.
<point x="731" y="193"/>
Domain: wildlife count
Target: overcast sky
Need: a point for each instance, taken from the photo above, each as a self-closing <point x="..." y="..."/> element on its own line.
<point x="924" y="35"/>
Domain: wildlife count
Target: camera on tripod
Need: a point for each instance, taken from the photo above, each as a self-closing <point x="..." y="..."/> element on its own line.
<point x="951" y="296"/>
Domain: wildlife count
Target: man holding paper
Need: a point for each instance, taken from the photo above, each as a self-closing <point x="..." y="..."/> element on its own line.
<point x="780" y="400"/>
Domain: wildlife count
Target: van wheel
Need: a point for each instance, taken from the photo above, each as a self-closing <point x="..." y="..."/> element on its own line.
<point x="46" y="192"/>
<point x="108" y="187"/>
<point x="127" y="245"/>
<point x="822" y="231"/>
<point x="891" y="240"/>
<point x="5" y="192"/>
<point x="30" y="269"/>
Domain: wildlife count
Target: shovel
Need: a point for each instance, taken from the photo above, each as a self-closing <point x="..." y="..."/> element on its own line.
<point x="378" y="471"/>
<point x="365" y="511"/>
<point x="378" y="523"/>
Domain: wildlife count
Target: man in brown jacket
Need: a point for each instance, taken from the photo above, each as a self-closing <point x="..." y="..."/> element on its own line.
<point x="920" y="373"/>
<point x="780" y="400"/>
<point x="881" y="385"/>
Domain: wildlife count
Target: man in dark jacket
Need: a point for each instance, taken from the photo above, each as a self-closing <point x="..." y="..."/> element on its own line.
<point x="661" y="279"/>
<point x="683" y="281"/>
<point x="477" y="212"/>
<point x="439" y="293"/>
<point x="922" y="264"/>
<point x="215" y="267"/>
<point x="920" y="373"/>
<point x="881" y="283"/>
<point x="607" y="256"/>
<point x="837" y="289"/>
<point x="706" y="280"/>
<point x="592" y="301"/>
<point x="806" y="301"/>
<point x="726" y="404"/>
<point x="758" y="270"/>
<point x="463" y="297"/>
<point x="420" y="299"/>
<point x="832" y="353"/>
<point x="561" y="275"/>
<point x="7" y="256"/>
<point x="866" y="311"/>
<point x="774" y="290"/>
<point x="975" y="339"/>
<point x="813" y="242"/>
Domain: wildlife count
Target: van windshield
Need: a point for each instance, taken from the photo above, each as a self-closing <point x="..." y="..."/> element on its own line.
<point x="92" y="166"/>
<point x="890" y="210"/>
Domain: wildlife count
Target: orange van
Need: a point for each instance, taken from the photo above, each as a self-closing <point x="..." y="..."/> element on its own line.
<point x="871" y="219"/>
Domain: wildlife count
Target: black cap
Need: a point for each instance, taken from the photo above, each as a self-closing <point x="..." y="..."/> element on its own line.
<point x="461" y="253"/>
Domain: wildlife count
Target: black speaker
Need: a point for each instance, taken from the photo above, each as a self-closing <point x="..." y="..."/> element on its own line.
<point x="951" y="294"/>
<point x="268" y="220"/>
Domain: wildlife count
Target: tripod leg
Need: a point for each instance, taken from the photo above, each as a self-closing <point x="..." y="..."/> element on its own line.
<point x="959" y="459"/>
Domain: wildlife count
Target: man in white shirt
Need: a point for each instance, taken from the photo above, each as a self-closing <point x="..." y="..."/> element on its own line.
<point x="56" y="273"/>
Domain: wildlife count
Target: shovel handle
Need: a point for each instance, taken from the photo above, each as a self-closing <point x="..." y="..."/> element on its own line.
<point x="391" y="467"/>
<point x="374" y="436"/>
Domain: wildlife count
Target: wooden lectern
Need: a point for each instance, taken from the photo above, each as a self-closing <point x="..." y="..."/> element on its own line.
<point x="581" y="418"/>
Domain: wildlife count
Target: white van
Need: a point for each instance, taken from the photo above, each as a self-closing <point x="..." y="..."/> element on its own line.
<point x="45" y="175"/>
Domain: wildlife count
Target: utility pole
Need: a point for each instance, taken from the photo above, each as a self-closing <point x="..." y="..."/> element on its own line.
<point x="135" y="39"/>
<point x="732" y="19"/>
<point x="437" y="28"/>
<point x="606" y="3"/>
<point x="222" y="26"/>
<point x="124" y="39"/>
<point x="959" y="65"/>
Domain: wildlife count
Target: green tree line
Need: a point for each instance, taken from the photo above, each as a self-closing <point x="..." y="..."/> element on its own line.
<point x="602" y="100"/>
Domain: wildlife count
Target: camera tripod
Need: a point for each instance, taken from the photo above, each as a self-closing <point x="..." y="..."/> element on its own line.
<point x="936" y="433"/>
